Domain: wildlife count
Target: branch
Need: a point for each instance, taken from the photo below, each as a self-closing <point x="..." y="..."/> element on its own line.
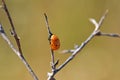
<point x="12" y="26"/>
<point x="4" y="36"/>
<point x="75" y="51"/>
<point x="19" y="51"/>
<point x="53" y="63"/>
<point x="116" y="35"/>
<point x="96" y="32"/>
<point x="93" y="34"/>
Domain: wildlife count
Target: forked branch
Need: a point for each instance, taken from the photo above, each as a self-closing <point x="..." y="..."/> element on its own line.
<point x="19" y="51"/>
<point x="93" y="34"/>
<point x="74" y="52"/>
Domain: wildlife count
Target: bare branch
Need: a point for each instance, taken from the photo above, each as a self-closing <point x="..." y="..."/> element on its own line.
<point x="19" y="51"/>
<point x="76" y="51"/>
<point x="4" y="36"/>
<point x="12" y="26"/>
<point x="53" y="60"/>
<point x="108" y="34"/>
<point x="48" y="27"/>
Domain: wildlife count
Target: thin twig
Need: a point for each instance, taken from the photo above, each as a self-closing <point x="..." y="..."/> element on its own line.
<point x="12" y="26"/>
<point x="19" y="51"/>
<point x="53" y="63"/>
<point x="48" y="27"/>
<point x="102" y="18"/>
<point x="108" y="34"/>
<point x="53" y="60"/>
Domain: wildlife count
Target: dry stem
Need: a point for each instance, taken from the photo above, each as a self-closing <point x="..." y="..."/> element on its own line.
<point x="19" y="51"/>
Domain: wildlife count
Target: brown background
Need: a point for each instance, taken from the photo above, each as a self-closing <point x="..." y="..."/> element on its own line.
<point x="69" y="19"/>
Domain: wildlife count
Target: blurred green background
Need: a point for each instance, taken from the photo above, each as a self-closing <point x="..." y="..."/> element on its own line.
<point x="69" y="19"/>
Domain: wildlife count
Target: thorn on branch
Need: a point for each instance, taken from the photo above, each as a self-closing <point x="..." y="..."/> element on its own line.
<point x="94" y="22"/>
<point x="56" y="63"/>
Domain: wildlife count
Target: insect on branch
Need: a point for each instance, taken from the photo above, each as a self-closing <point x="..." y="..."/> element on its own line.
<point x="54" y="45"/>
<point x="75" y="51"/>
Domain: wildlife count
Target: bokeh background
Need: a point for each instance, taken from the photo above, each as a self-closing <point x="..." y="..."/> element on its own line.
<point x="69" y="19"/>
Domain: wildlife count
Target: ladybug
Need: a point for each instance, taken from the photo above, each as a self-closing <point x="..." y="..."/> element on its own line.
<point x="54" y="42"/>
<point x="53" y="39"/>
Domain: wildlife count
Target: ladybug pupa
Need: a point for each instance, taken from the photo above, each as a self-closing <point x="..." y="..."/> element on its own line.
<point x="53" y="39"/>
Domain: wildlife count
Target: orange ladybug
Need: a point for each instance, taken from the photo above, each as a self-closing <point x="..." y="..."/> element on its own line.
<point x="53" y="39"/>
<point x="54" y="42"/>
